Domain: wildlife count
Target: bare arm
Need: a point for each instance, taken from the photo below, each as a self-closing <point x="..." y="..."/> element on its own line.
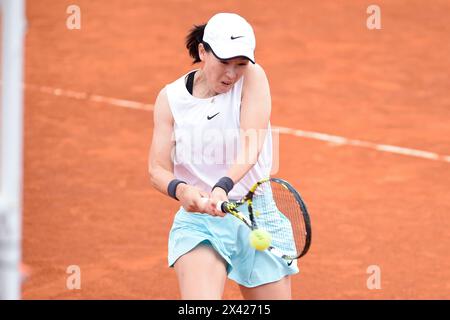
<point x="255" y="116"/>
<point x="160" y="165"/>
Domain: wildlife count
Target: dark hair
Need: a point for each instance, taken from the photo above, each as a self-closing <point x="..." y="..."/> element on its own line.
<point x="193" y="39"/>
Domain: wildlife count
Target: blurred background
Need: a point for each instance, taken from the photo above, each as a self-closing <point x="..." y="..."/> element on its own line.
<point x="89" y="93"/>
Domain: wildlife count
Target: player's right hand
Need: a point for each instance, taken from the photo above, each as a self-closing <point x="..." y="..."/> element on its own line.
<point x="193" y="199"/>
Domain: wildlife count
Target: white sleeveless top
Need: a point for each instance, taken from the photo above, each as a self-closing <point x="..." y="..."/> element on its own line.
<point x="206" y="133"/>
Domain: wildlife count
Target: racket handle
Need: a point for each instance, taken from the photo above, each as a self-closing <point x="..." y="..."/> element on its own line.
<point x="221" y="206"/>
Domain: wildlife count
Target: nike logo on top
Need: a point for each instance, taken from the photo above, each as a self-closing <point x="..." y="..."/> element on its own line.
<point x="210" y="117"/>
<point x="232" y="38"/>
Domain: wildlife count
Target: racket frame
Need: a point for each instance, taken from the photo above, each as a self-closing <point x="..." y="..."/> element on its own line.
<point x="231" y="207"/>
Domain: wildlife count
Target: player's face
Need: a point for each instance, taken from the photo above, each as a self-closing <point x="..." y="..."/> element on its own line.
<point x="223" y="74"/>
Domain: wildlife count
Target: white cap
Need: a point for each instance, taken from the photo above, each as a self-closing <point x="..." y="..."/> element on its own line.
<point x="230" y="36"/>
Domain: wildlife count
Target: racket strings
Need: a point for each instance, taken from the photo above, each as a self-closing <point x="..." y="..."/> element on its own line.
<point x="281" y="216"/>
<point x="288" y="205"/>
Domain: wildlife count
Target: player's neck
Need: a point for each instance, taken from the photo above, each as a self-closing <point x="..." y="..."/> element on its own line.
<point x="201" y="88"/>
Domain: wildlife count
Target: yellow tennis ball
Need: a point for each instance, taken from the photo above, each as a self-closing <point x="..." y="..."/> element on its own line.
<point x="260" y="239"/>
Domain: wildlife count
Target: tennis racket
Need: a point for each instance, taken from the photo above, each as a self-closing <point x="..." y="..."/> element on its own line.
<point x="276" y="207"/>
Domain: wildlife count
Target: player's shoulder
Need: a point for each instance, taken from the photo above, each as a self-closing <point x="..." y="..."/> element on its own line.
<point x="255" y="79"/>
<point x="175" y="86"/>
<point x="255" y="71"/>
<point x="162" y="107"/>
<point x="161" y="98"/>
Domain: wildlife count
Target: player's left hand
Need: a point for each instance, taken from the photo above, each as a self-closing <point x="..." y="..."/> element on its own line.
<point x="218" y="194"/>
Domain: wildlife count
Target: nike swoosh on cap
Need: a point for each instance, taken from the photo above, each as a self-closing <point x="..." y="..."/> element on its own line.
<point x="232" y="38"/>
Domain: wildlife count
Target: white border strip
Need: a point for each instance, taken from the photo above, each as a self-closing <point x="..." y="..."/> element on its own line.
<point x="295" y="132"/>
<point x="11" y="164"/>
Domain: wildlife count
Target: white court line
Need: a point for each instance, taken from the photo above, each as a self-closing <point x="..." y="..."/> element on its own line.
<point x="91" y="97"/>
<point x="364" y="144"/>
<point x="295" y="132"/>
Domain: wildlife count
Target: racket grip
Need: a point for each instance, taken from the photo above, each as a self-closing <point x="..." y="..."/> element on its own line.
<point x="221" y="206"/>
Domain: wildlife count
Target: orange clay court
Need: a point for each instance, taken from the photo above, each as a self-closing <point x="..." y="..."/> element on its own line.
<point x="88" y="126"/>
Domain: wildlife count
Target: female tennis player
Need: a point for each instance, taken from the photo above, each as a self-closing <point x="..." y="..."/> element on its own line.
<point x="212" y="140"/>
